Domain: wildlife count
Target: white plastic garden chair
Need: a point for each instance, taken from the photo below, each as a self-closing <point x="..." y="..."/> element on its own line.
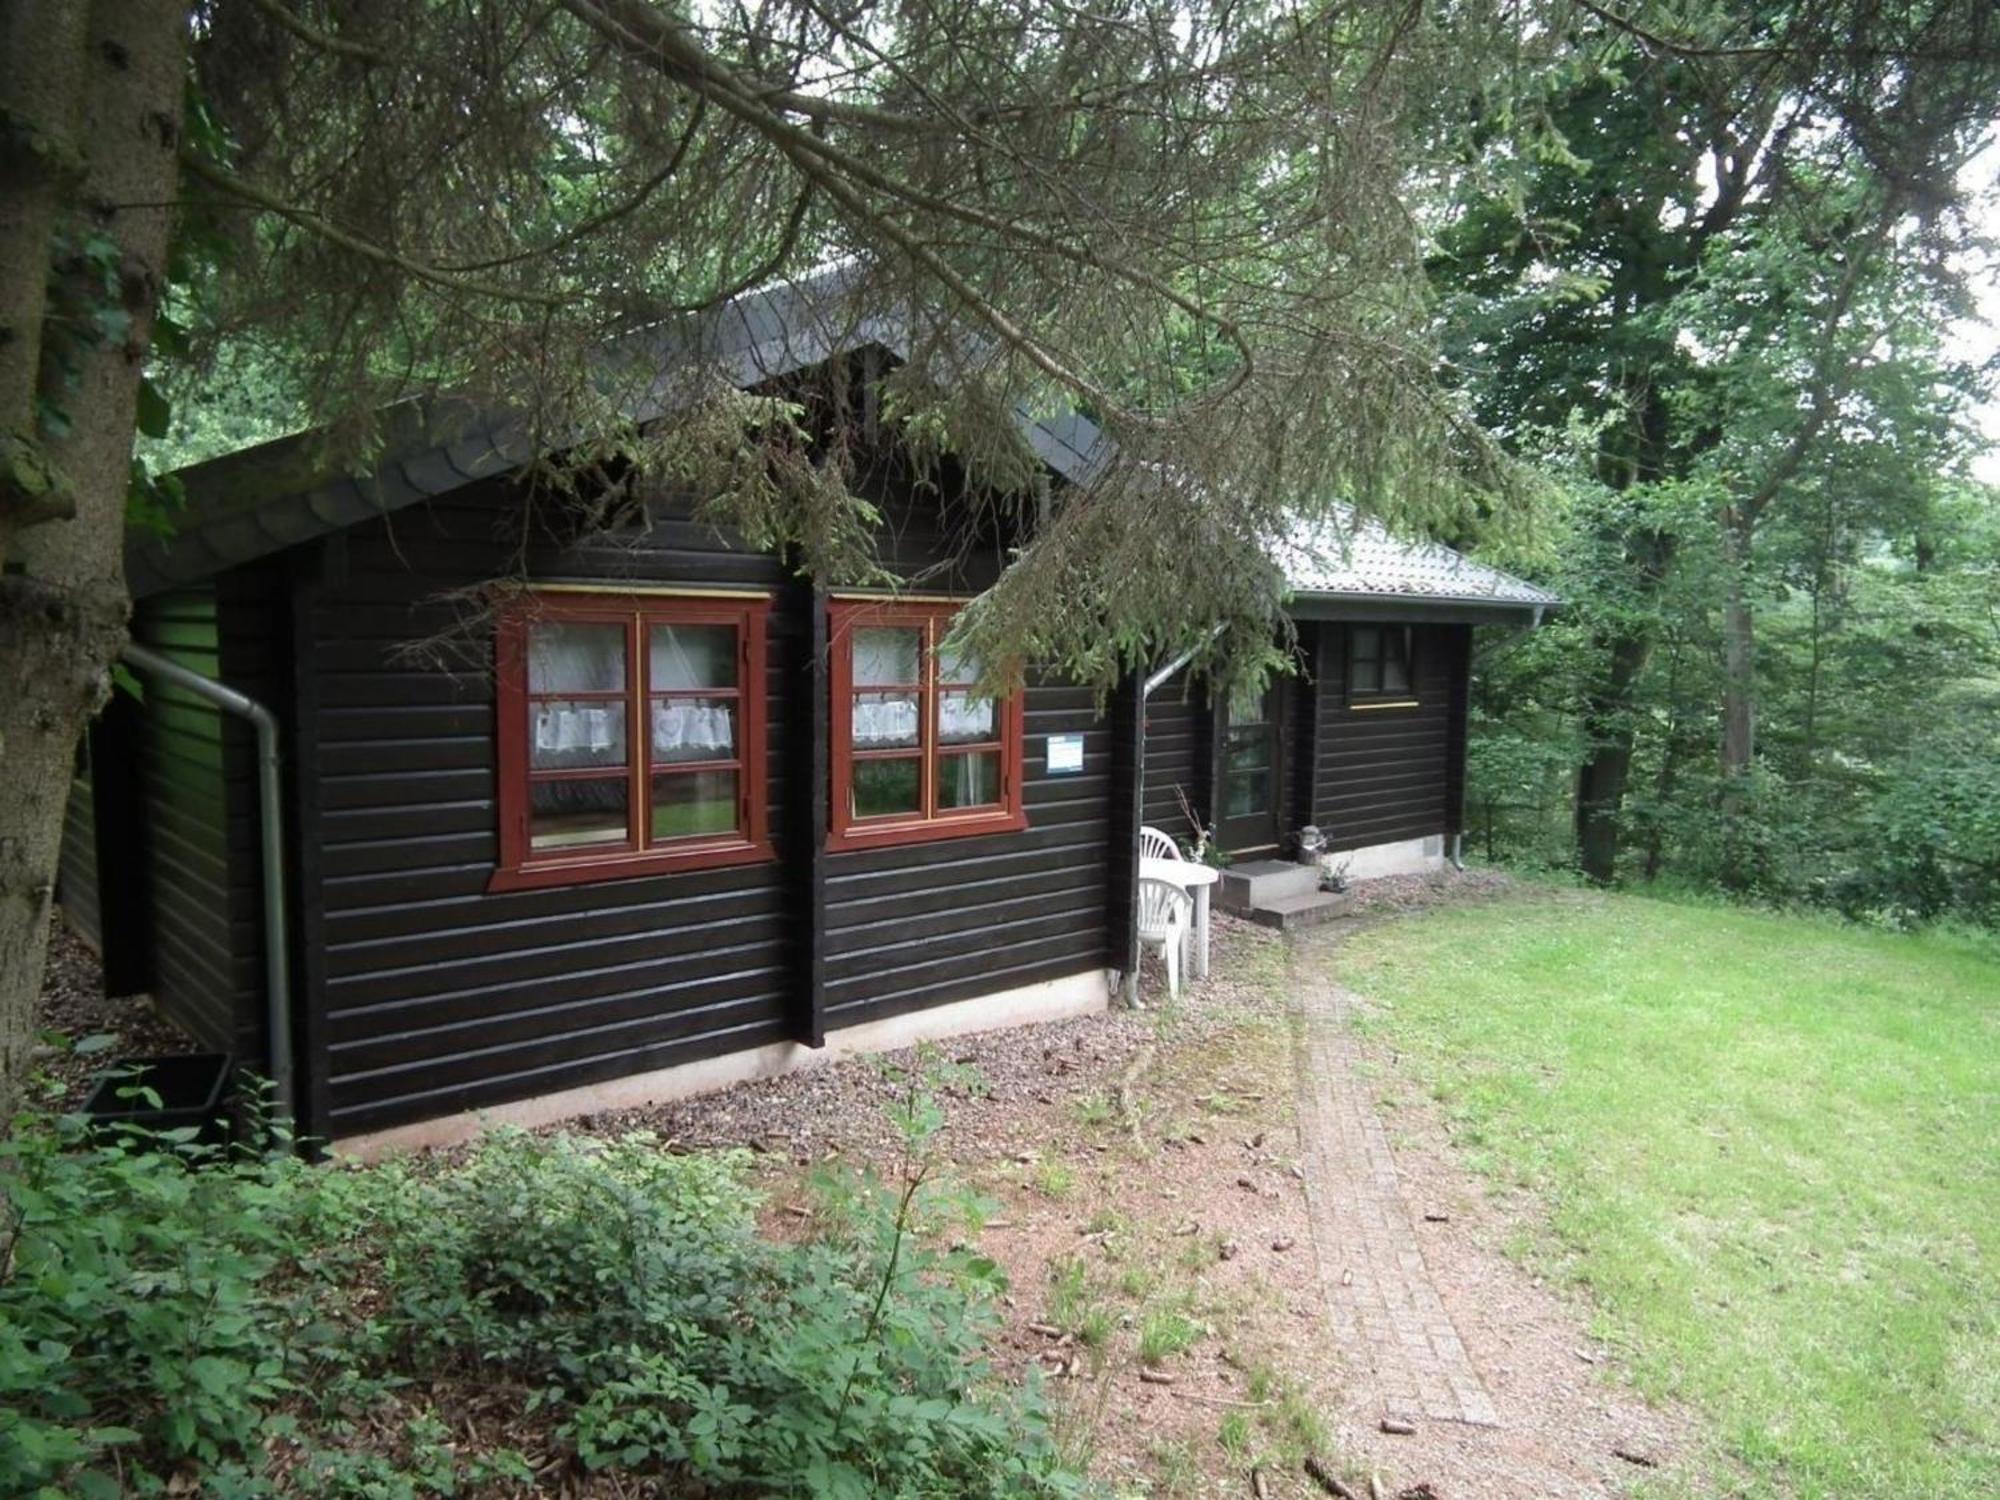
<point x="1166" y="913"/>
<point x="1153" y="844"/>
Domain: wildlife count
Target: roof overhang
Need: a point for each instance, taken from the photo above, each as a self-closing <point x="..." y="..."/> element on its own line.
<point x="261" y="500"/>
<point x="1418" y="609"/>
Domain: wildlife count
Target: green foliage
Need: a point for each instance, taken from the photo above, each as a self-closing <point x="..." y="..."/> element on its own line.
<point x="1931" y="840"/>
<point x="168" y="1309"/>
<point x="1692" y="289"/>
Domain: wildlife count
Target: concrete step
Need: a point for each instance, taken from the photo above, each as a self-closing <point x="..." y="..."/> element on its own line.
<point x="1259" y="882"/>
<point x="1294" y="913"/>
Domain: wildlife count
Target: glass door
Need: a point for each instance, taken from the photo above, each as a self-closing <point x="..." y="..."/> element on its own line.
<point x="1247" y="772"/>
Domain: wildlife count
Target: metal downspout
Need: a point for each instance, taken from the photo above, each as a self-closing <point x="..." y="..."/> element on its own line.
<point x="271" y="833"/>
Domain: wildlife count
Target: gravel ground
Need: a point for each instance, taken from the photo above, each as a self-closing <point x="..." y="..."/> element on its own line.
<point x="73" y="1006"/>
<point x="842" y="1106"/>
<point x="1400" y="893"/>
<point x="995" y="1082"/>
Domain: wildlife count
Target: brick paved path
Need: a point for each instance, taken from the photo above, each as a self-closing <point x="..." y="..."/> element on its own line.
<point x="1386" y="1314"/>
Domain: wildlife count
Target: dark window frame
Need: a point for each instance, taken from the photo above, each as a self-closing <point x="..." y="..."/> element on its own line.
<point x="1369" y="659"/>
<point x="522" y="867"/>
<point x="930" y="822"/>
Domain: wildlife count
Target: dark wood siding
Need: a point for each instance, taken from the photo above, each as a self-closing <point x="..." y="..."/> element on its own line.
<point x="1175" y="725"/>
<point x="926" y="924"/>
<point x="76" y="869"/>
<point x="198" y="771"/>
<point x="432" y="995"/>
<point x="1382" y="775"/>
<point x="923" y="924"/>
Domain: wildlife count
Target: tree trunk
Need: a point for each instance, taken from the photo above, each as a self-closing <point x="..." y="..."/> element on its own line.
<point x="41" y="97"/>
<point x="1670" y="760"/>
<point x="1739" y="653"/>
<point x="1607" y="763"/>
<point x="1608" y="715"/>
<point x="63" y="611"/>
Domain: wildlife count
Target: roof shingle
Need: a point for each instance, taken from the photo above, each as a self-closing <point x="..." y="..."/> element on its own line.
<point x="1353" y="556"/>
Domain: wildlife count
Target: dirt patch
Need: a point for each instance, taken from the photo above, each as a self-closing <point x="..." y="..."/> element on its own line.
<point x="73" y="1007"/>
<point x="1393" y="894"/>
<point x="1164" y="1287"/>
<point x="997" y="1084"/>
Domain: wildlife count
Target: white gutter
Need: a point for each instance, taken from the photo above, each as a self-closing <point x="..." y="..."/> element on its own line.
<point x="271" y="830"/>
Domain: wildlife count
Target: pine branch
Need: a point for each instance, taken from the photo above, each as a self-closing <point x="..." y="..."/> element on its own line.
<point x="225" y="181"/>
<point x="312" y="36"/>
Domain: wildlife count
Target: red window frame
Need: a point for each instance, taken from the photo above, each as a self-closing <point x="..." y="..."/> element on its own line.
<point x="929" y="822"/>
<point x="522" y="867"/>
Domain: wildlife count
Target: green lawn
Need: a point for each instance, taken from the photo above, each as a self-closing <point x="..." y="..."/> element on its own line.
<point x="1769" y="1147"/>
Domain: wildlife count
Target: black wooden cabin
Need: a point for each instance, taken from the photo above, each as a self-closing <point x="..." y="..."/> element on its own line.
<point x="498" y="899"/>
<point x="1365" y="739"/>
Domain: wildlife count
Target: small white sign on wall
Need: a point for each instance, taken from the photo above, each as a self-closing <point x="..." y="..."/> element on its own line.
<point x="1065" y="754"/>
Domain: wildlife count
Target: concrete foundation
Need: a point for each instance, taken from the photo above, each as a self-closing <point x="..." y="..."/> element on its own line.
<point x="1053" y="1000"/>
<point x="1404" y="857"/>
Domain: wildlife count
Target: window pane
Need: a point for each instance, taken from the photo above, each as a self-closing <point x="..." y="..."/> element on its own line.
<point x="969" y="780"/>
<point x="1248" y="792"/>
<point x="694" y="729"/>
<point x="957" y="666"/>
<point x="573" y="656"/>
<point x="576" y="736"/>
<point x="963" y="719"/>
<point x="694" y="802"/>
<point x="884" y="787"/>
<point x="886" y="721"/>
<point x="887" y="655"/>
<point x="574" y="814"/>
<point x="1367" y="677"/>
<point x="1367" y="643"/>
<point x="1395" y="676"/>
<point x="1248" y="704"/>
<point x="1248" y="748"/>
<point x="692" y="656"/>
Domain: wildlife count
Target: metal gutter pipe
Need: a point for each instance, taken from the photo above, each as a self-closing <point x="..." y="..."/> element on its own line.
<point x="271" y="832"/>
<point x="1175" y="665"/>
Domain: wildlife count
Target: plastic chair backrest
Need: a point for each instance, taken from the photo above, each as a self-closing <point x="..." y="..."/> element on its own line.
<point x="1163" y="909"/>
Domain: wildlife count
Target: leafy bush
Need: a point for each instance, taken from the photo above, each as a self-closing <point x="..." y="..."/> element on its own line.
<point x="171" y="1313"/>
<point x="1931" y="839"/>
<point x="137" y="1312"/>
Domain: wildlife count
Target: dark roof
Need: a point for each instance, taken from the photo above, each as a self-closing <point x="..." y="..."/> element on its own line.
<point x="257" y="501"/>
<point x="248" y="504"/>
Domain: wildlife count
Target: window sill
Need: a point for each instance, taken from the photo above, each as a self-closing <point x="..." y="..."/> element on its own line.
<point x="555" y="872"/>
<point x="1362" y="705"/>
<point x="890" y="835"/>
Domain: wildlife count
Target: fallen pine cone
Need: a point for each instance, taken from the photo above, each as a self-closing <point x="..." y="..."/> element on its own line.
<point x="1283" y="1242"/>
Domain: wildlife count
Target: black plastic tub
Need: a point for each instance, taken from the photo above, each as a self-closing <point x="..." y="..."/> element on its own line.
<point x="193" y="1089"/>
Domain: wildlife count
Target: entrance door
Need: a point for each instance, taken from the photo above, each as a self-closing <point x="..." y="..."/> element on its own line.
<point x="1247" y="773"/>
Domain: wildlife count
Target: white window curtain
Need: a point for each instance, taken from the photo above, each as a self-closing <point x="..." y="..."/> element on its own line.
<point x="573" y="729"/>
<point x="893" y="722"/>
<point x="703" y="728"/>
<point x="964" y="719"/>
